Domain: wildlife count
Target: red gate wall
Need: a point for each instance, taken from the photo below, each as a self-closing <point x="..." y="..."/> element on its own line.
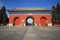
<point x="35" y="16"/>
<point x="43" y="22"/>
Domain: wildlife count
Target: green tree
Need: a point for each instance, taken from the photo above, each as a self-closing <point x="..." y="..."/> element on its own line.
<point x="53" y="15"/>
<point x="0" y="17"/>
<point x="4" y="15"/>
<point x="58" y="12"/>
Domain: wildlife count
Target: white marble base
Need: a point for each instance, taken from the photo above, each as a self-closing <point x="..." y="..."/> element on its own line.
<point x="35" y="24"/>
<point x="24" y="24"/>
<point x="10" y="24"/>
<point x="49" y="24"/>
<point x="39" y="24"/>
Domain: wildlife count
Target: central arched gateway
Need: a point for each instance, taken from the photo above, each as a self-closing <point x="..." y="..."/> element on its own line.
<point x="29" y="20"/>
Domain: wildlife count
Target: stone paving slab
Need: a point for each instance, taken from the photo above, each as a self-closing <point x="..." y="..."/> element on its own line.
<point x="30" y="34"/>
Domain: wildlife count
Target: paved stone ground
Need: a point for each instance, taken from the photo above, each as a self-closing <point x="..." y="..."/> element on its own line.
<point x="48" y="33"/>
<point x="12" y="33"/>
<point x="29" y="33"/>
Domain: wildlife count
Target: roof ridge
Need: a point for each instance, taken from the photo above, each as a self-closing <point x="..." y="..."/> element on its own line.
<point x="29" y="9"/>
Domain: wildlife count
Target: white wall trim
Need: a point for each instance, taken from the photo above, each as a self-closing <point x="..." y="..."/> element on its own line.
<point x="10" y="24"/>
<point x="24" y="24"/>
<point x="49" y="24"/>
<point x="35" y="24"/>
<point x="39" y="24"/>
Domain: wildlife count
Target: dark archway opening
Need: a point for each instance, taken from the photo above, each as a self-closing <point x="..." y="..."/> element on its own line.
<point x="43" y="18"/>
<point x="16" y="21"/>
<point x="29" y="20"/>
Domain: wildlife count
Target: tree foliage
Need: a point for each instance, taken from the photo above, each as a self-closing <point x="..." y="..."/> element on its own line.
<point x="56" y="14"/>
<point x="3" y="16"/>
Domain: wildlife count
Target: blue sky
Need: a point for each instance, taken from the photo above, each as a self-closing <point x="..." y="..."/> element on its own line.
<point x="11" y="4"/>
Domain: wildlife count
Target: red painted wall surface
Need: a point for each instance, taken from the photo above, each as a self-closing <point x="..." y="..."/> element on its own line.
<point x="36" y="17"/>
<point x="17" y="22"/>
<point x="43" y="22"/>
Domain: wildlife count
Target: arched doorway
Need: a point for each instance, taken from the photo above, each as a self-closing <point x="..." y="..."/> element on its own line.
<point x="16" y="21"/>
<point x="43" y="21"/>
<point x="29" y="20"/>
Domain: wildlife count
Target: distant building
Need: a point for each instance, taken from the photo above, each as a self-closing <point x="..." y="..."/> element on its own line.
<point x="30" y="16"/>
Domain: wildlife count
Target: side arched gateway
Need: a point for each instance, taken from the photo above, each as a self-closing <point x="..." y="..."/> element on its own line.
<point x="16" y="21"/>
<point x="43" y="21"/>
<point x="29" y="20"/>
